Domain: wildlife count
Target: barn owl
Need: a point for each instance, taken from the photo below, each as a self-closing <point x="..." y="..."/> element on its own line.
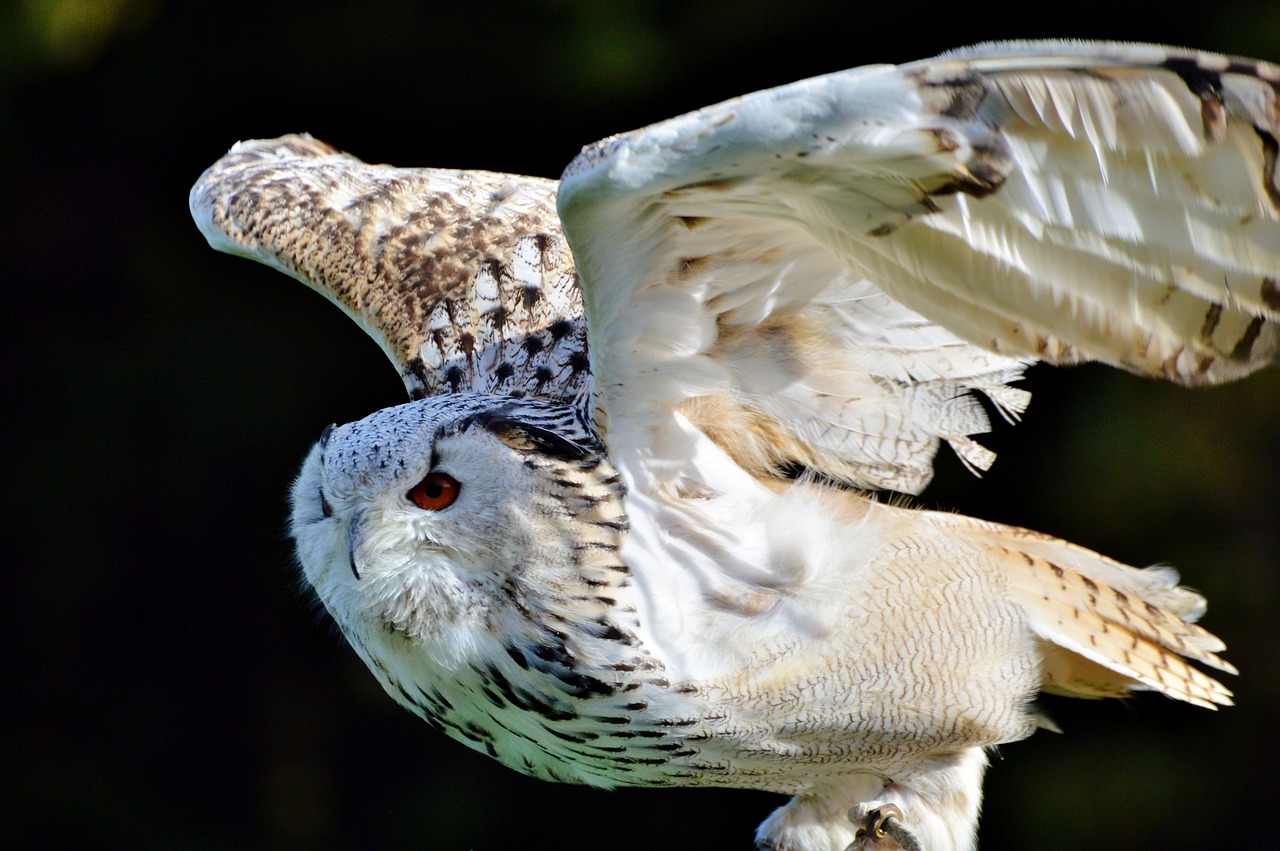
<point x="625" y="532"/>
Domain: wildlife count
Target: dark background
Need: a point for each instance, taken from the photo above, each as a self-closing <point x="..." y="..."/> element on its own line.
<point x="169" y="686"/>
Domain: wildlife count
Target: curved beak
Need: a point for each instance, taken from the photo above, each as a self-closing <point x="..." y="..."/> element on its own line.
<point x="353" y="542"/>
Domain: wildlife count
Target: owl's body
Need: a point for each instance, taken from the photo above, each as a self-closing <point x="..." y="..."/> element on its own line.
<point x="842" y="650"/>
<point x="606" y="571"/>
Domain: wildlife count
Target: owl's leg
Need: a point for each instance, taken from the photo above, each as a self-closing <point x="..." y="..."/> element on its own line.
<point x="819" y="820"/>
<point x="935" y="810"/>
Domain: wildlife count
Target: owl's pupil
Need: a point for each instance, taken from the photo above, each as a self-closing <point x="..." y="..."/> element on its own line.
<point x="433" y="490"/>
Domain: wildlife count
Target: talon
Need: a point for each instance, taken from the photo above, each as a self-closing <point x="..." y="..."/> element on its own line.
<point x="876" y="819"/>
<point x="885" y="822"/>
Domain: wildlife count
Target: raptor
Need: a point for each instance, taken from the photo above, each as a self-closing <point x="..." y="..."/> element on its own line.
<point x="625" y="533"/>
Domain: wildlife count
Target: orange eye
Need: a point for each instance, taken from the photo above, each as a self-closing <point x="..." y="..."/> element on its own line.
<point x="435" y="492"/>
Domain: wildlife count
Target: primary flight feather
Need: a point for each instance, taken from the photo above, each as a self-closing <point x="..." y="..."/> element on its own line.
<point x="597" y="564"/>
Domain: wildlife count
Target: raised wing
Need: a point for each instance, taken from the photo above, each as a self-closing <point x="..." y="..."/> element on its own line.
<point x="820" y="273"/>
<point x="463" y="277"/>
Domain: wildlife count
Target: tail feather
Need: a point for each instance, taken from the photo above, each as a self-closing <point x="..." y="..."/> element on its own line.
<point x="1107" y="628"/>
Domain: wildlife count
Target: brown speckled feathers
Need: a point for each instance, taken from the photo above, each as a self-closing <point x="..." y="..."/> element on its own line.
<point x="464" y="278"/>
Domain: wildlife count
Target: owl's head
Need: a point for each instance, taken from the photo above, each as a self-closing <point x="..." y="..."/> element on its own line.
<point x="424" y="518"/>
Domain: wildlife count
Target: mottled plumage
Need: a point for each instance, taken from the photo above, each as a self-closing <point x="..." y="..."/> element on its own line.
<point x="601" y="567"/>
<point x="463" y="277"/>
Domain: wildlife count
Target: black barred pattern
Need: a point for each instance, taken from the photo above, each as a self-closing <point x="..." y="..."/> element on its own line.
<point x="573" y="694"/>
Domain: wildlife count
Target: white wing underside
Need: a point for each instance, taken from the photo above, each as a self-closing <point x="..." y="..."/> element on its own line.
<point x="818" y="274"/>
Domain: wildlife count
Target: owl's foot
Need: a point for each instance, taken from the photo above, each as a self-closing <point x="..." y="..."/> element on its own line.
<point x="881" y="829"/>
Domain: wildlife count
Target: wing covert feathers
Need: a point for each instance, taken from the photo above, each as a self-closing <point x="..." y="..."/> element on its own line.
<point x="463" y="277"/>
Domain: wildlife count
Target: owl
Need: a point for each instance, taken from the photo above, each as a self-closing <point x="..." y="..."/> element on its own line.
<point x="627" y="533"/>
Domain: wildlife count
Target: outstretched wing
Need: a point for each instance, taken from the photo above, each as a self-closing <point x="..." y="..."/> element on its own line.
<point x="463" y="277"/>
<point x="821" y="273"/>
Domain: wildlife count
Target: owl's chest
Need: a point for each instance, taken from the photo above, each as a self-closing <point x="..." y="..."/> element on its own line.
<point x="578" y="704"/>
